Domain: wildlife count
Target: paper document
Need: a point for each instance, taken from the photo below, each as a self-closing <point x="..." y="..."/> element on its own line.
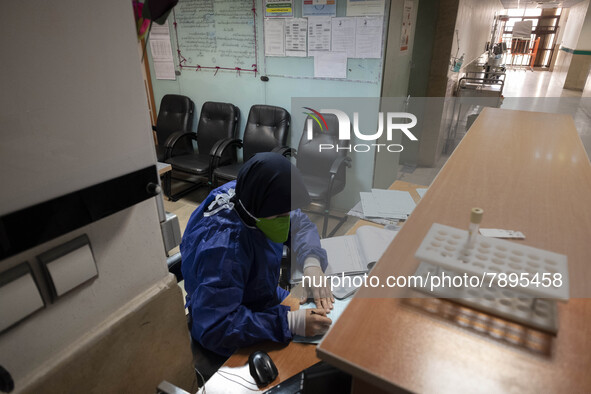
<point x="274" y="35"/>
<point x="162" y="52"/>
<point x="295" y="37"/>
<point x="357" y="211"/>
<point x="352" y="254"/>
<point x="343" y="35"/>
<point x="229" y="380"/>
<point x="319" y="7"/>
<point x="421" y="191"/>
<point x="522" y="30"/>
<point x="330" y="65"/>
<point x="396" y="201"/>
<point x="406" y="25"/>
<point x="389" y="204"/>
<point x="318" y="35"/>
<point x="164" y="69"/>
<point x="278" y="9"/>
<point x="365" y="7"/>
<point x="338" y="308"/>
<point x="368" y="37"/>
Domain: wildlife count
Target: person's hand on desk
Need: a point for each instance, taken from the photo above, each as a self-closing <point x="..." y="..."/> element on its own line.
<point x="316" y="322"/>
<point x="308" y="322"/>
<point x="321" y="294"/>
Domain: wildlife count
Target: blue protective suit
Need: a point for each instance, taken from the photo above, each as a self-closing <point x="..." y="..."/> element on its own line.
<point x="231" y="273"/>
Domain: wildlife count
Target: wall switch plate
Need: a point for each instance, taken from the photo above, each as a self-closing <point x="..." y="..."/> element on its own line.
<point x="69" y="265"/>
<point x="19" y="295"/>
<point x="171" y="232"/>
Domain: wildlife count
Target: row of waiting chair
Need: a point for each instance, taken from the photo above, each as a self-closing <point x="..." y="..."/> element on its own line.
<point x="267" y="129"/>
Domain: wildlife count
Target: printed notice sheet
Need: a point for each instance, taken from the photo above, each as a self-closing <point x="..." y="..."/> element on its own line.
<point x="343" y="35"/>
<point x="319" y="7"/>
<point x="162" y="52"/>
<point x="368" y="37"/>
<point x="274" y="34"/>
<point x="278" y="9"/>
<point x="365" y="7"/>
<point x="330" y="65"/>
<point x="295" y="37"/>
<point x="406" y="25"/>
<point x="318" y="34"/>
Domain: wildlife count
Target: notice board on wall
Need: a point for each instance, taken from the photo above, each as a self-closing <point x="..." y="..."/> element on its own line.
<point x="218" y="34"/>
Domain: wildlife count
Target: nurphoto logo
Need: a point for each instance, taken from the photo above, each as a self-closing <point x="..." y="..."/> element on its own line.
<point x="393" y="123"/>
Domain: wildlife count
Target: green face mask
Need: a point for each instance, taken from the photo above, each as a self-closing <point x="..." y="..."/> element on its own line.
<point x="276" y="229"/>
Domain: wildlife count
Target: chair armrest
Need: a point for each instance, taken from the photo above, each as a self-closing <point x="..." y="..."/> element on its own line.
<point x="175" y="137"/>
<point x="338" y="163"/>
<point x="285" y="151"/>
<point x="217" y="152"/>
<point x="220" y="146"/>
<point x="174" y="266"/>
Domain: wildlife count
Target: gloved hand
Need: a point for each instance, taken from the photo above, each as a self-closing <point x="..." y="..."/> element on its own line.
<point x="321" y="294"/>
<point x="308" y="322"/>
<point x="316" y="322"/>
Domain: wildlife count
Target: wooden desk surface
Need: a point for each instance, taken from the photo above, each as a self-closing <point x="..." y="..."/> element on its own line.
<point x="529" y="172"/>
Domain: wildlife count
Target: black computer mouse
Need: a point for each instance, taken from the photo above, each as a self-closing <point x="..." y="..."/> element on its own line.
<point x="262" y="368"/>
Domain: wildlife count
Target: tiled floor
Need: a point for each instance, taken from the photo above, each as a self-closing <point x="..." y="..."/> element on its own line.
<point x="522" y="83"/>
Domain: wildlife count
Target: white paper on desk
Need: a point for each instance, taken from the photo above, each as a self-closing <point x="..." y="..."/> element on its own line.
<point x="330" y="65"/>
<point x="338" y="308"/>
<point x="357" y="211"/>
<point x="230" y="381"/>
<point x="365" y="7"/>
<point x="319" y="28"/>
<point x="343" y="35"/>
<point x="394" y="201"/>
<point x="351" y="254"/>
<point x="372" y="209"/>
<point x="274" y="37"/>
<point x="295" y="37"/>
<point x="421" y="191"/>
<point x="368" y="37"/>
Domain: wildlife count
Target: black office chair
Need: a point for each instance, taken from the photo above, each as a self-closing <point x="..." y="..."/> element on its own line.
<point x="267" y="129"/>
<point x="174" y="117"/>
<point x="217" y="122"/>
<point x="324" y="173"/>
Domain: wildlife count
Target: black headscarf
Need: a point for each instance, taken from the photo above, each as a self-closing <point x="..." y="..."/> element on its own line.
<point x="268" y="185"/>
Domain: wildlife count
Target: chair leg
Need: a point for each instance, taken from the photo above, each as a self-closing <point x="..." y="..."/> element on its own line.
<point x="188" y="190"/>
<point x="326" y="215"/>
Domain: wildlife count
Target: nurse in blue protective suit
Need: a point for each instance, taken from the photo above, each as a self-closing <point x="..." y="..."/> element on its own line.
<point x="231" y="255"/>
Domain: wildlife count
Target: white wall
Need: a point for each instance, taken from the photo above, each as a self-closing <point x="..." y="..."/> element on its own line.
<point x="72" y="108"/>
<point x="584" y="42"/>
<point x="474" y="22"/>
<point x="574" y="24"/>
<point x="73" y="113"/>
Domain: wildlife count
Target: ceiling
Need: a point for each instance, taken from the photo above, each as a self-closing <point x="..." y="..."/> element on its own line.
<point x="539" y="3"/>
